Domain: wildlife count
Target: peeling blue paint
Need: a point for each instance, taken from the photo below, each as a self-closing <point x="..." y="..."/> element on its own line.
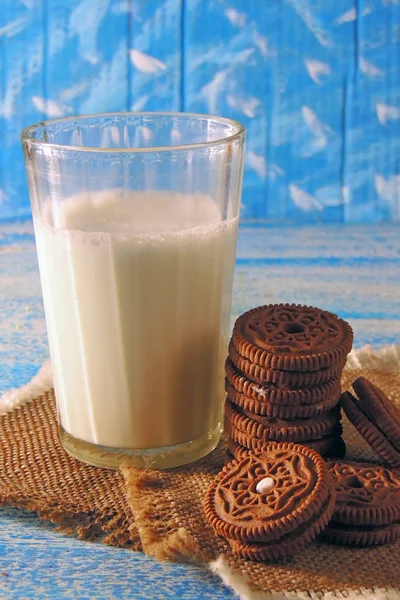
<point x="315" y="82"/>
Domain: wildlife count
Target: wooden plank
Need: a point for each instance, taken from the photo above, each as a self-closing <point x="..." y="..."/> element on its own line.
<point x="111" y="49"/>
<point x="319" y="92"/>
<point x="38" y="563"/>
<point x="39" y="38"/>
<point x="251" y="64"/>
<point x="92" y="37"/>
<point x="227" y="73"/>
<point x="354" y="271"/>
<point x="316" y="84"/>
<point x="22" y="49"/>
<point x="306" y="120"/>
<point x="155" y="55"/>
<point x="373" y="115"/>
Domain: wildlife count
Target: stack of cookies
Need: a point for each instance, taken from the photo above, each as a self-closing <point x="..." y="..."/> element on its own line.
<point x="276" y="493"/>
<point x="283" y="379"/>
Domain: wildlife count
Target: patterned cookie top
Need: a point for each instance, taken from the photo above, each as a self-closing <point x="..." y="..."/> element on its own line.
<point x="366" y="494"/>
<point x="292" y="337"/>
<point x="240" y="505"/>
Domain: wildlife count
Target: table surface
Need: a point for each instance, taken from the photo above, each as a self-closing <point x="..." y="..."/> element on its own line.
<point x="354" y="271"/>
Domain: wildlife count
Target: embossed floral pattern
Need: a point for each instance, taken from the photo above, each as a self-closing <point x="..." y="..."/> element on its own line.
<point x="286" y="328"/>
<point x="238" y="500"/>
<point x="360" y="486"/>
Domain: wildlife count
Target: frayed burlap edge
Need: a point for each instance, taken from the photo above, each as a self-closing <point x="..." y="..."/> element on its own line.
<point x="163" y="541"/>
<point x="40" y="383"/>
<point x="234" y="581"/>
<point x="144" y="490"/>
<point x="88" y="526"/>
<point x="179" y="546"/>
<point x="38" y="476"/>
<point x="386" y="358"/>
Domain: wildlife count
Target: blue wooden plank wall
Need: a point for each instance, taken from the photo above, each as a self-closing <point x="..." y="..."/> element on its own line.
<point x="316" y="82"/>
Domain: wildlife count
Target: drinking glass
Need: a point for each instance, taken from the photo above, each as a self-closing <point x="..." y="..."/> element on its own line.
<point x="136" y="218"/>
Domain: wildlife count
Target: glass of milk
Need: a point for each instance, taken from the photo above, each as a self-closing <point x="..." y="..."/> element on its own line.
<point x="136" y="217"/>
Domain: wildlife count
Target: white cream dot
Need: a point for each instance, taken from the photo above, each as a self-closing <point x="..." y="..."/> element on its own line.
<point x="265" y="485"/>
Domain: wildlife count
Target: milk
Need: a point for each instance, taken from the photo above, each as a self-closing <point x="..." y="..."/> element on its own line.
<point x="137" y="291"/>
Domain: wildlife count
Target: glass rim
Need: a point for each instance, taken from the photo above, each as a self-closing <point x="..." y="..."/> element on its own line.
<point x="27" y="132"/>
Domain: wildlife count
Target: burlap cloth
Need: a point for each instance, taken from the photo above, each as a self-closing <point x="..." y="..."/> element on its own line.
<point x="36" y="474"/>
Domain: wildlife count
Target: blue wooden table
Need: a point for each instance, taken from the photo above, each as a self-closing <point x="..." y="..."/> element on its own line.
<point x="354" y="271"/>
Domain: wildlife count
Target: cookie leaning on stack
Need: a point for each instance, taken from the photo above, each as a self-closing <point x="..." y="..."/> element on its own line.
<point x="376" y="418"/>
<point x="283" y="378"/>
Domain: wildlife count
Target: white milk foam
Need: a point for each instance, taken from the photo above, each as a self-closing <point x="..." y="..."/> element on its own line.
<point x="137" y="293"/>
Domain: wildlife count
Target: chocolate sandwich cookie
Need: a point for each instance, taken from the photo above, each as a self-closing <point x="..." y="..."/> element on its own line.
<point x="379" y="408"/>
<point x="295" y="379"/>
<point x="282" y="411"/>
<point x="284" y="493"/>
<point x="237" y="451"/>
<point x="291" y="337"/>
<point x="268" y="420"/>
<point x="367" y="510"/>
<point x="291" y="543"/>
<point x="279" y="395"/>
<point x="346" y="535"/>
<point x="281" y="430"/>
<point x="376" y="418"/>
<point x="330" y="445"/>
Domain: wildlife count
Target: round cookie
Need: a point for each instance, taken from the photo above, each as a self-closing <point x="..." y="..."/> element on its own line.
<point x="236" y="450"/>
<point x="367" y="536"/>
<point x="291" y="543"/>
<point x="281" y="430"/>
<point x="366" y="494"/>
<point x="279" y="411"/>
<point x="278" y="395"/>
<point x="294" y="379"/>
<point x="291" y="337"/>
<point x="301" y="485"/>
<point x="367" y="510"/>
<point x="266" y="421"/>
<point x="376" y="437"/>
<point x="330" y="445"/>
